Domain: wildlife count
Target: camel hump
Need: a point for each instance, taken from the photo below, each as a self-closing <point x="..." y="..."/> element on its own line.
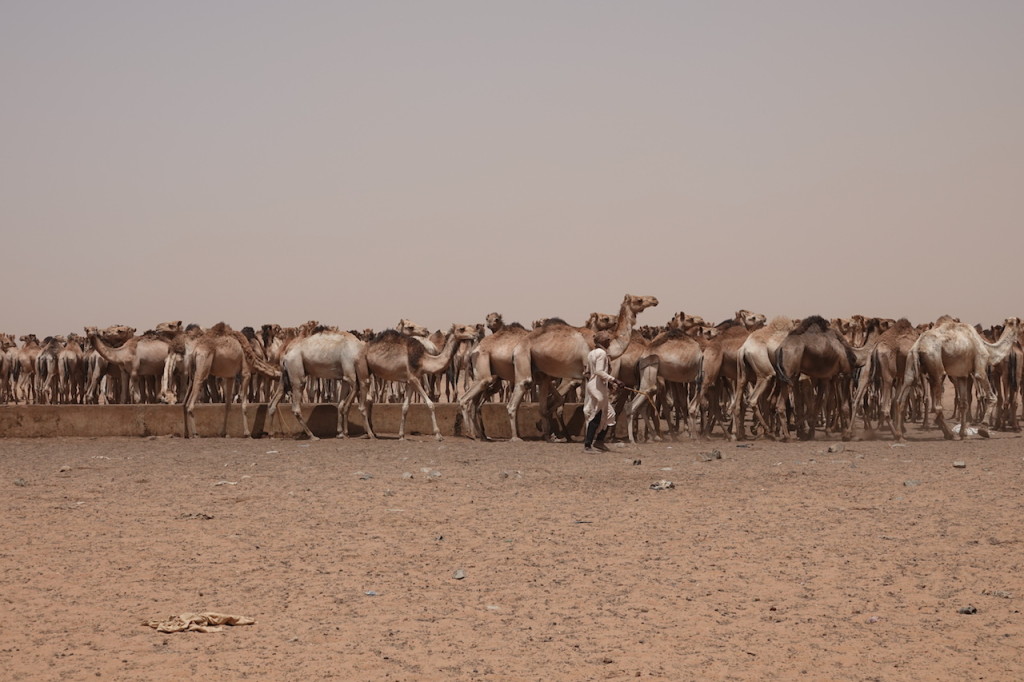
<point x="812" y="323"/>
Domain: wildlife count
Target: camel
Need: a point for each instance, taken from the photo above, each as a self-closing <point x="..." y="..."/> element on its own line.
<point x="558" y="351"/>
<point x="8" y="356"/>
<point x="885" y="368"/>
<point x="674" y="357"/>
<point x="141" y="358"/>
<point x="325" y="354"/>
<point x="393" y="356"/>
<point x="26" y="368"/>
<point x="70" y="370"/>
<point x="955" y="349"/>
<point x="816" y="350"/>
<point x="753" y="362"/>
<point x="490" y="363"/>
<point x="459" y="366"/>
<point x="97" y="369"/>
<point x="223" y="353"/>
<point x="718" y="369"/>
<point x="46" y="370"/>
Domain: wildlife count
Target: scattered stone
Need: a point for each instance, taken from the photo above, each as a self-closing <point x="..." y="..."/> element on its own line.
<point x="745" y="445"/>
<point x="199" y="515"/>
<point x="363" y="476"/>
<point x="407" y="475"/>
<point x="20" y="482"/>
<point x="637" y="462"/>
<point x="959" y="464"/>
<point x="1002" y="594"/>
<point x="709" y="456"/>
<point x="226" y="483"/>
<point x="838" y="447"/>
<point x="271" y="452"/>
<point x="663" y="485"/>
<point x="64" y="468"/>
<point x="911" y="483"/>
<point x="371" y="593"/>
<point x="967" y="610"/>
<point x="492" y="607"/>
<point x="872" y="620"/>
<point x="459" y="574"/>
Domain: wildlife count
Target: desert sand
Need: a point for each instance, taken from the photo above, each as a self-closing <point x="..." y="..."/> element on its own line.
<point x="458" y="560"/>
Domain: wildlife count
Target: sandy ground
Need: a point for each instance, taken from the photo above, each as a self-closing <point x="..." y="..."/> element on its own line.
<point x="777" y="561"/>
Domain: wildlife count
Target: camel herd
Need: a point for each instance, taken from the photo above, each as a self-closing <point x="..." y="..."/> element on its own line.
<point x="746" y="376"/>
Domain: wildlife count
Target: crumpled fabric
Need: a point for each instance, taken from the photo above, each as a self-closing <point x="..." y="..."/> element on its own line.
<point x="207" y="621"/>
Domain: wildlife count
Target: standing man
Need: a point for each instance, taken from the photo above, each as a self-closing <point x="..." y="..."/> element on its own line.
<point x="597" y="409"/>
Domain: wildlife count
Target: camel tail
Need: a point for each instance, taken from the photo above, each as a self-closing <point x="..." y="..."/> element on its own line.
<point x="65" y="366"/>
<point x="780" y="372"/>
<point x="700" y="372"/>
<point x="286" y="381"/>
<point x="1013" y="372"/>
<point x="913" y="368"/>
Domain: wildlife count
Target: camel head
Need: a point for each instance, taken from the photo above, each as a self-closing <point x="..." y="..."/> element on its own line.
<point x="116" y="334"/>
<point x="750" y="320"/>
<point x="169" y="327"/>
<point x="638" y="304"/>
<point x="410" y="328"/>
<point x="685" y="322"/>
<point x="602" y="321"/>
<point x="464" y="332"/>
<point x="28" y="338"/>
<point x="495" y="321"/>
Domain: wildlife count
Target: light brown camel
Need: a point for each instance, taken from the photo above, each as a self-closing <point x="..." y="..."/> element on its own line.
<point x="558" y="351"/>
<point x="672" y="358"/>
<point x="490" y="363"/>
<point x="70" y="370"/>
<point x="393" y="356"/>
<point x="458" y="368"/>
<point x="223" y="353"/>
<point x="97" y="369"/>
<point x="956" y="350"/>
<point x="46" y="370"/>
<point x="870" y="387"/>
<point x="888" y="367"/>
<point x="815" y="350"/>
<point x="27" y="354"/>
<point x="754" y="364"/>
<point x="325" y="354"/>
<point x="141" y="358"/>
<point x="8" y="356"/>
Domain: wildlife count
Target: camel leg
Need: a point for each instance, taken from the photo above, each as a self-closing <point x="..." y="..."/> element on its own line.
<point x="229" y="394"/>
<point x="936" y="400"/>
<point x="467" y="403"/>
<point x="513" y="406"/>
<point x="348" y="389"/>
<point x="244" y="397"/>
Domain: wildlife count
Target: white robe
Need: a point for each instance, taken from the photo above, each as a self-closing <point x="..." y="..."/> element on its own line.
<point x="598" y="372"/>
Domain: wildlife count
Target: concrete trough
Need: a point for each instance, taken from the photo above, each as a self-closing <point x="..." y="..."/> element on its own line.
<point x="44" y="421"/>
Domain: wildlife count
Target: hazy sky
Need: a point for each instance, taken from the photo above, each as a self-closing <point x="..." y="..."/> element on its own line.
<point x="358" y="162"/>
